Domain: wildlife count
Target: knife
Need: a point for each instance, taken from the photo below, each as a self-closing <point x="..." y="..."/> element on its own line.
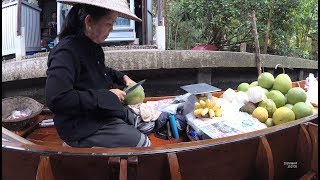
<point x="127" y="91"/>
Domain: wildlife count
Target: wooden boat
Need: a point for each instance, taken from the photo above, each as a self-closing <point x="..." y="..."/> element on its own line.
<point x="286" y="151"/>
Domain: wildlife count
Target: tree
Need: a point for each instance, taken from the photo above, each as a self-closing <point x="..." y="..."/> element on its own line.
<point x="285" y="25"/>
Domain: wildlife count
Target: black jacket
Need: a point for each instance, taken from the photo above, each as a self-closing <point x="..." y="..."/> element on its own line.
<point x="77" y="88"/>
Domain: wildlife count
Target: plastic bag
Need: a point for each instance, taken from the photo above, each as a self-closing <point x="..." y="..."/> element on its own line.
<point x="20" y="114"/>
<point x="229" y="94"/>
<point x="312" y="89"/>
<point x="256" y="94"/>
<point x="176" y="104"/>
<point x="241" y="97"/>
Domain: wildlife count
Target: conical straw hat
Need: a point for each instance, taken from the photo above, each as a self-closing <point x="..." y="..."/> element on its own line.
<point x="120" y="6"/>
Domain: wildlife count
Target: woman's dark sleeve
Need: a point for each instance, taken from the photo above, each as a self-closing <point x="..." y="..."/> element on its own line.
<point x="61" y="95"/>
<point x="116" y="76"/>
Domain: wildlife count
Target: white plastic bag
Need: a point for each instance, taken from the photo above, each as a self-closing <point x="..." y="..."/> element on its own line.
<point x="241" y="97"/>
<point x="256" y="94"/>
<point x="16" y="114"/>
<point x="229" y="94"/>
<point x="312" y="89"/>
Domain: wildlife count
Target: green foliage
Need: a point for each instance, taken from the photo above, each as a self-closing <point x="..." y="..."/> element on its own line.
<point x="227" y="23"/>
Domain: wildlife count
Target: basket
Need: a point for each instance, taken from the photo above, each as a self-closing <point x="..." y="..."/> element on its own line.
<point x="17" y="103"/>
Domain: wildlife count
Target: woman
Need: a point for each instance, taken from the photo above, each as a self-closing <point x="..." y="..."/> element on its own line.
<point x="80" y="90"/>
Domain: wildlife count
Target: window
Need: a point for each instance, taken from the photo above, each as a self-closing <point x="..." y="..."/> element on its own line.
<point x="123" y="22"/>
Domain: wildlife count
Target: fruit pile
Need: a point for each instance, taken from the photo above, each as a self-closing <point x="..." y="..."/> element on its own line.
<point x="281" y="102"/>
<point x="207" y="108"/>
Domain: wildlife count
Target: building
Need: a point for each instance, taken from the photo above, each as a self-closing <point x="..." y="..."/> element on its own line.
<point x="31" y="18"/>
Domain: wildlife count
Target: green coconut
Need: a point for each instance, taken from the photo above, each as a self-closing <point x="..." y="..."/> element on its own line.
<point x="134" y="97"/>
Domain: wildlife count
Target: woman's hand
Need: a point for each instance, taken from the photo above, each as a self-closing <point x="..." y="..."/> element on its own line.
<point x="119" y="93"/>
<point x="127" y="80"/>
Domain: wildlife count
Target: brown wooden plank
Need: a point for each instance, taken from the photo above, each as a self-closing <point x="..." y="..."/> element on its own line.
<point x="313" y="132"/>
<point x="114" y="164"/>
<point x="303" y="151"/>
<point x="234" y="160"/>
<point x="33" y="125"/>
<point x="299" y="84"/>
<point x="46" y="143"/>
<point x="153" y="167"/>
<point x="45" y="134"/>
<point x="284" y="145"/>
<point x="123" y="170"/>
<point x="44" y="171"/>
<point x="87" y="167"/>
<point x="264" y="161"/>
<point x="132" y="167"/>
<point x="174" y="166"/>
<point x="19" y="164"/>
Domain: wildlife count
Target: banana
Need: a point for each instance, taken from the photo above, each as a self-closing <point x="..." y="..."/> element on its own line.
<point x="197" y="105"/>
<point x="204" y="111"/>
<point x="219" y="112"/>
<point x="202" y="103"/>
<point x="211" y="113"/>
<point x="216" y="106"/>
<point x="212" y="104"/>
<point x="197" y="112"/>
<point x="208" y="102"/>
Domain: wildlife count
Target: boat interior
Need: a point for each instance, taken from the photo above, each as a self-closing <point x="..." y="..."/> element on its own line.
<point x="285" y="151"/>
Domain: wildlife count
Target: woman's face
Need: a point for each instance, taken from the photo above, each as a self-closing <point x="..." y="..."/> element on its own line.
<point x="99" y="30"/>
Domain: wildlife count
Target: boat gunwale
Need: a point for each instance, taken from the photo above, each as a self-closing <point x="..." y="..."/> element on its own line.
<point x="169" y="148"/>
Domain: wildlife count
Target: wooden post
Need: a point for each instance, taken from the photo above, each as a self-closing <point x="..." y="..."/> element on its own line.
<point x="20" y="45"/>
<point x="165" y="23"/>
<point x="160" y="29"/>
<point x="160" y="20"/>
<point x="174" y="166"/>
<point x="243" y="47"/>
<point x="265" y="48"/>
<point x="123" y="175"/>
<point x="19" y="7"/>
<point x="44" y="171"/>
<point x="114" y="165"/>
<point x="144" y="21"/>
<point x="256" y="39"/>
<point x="132" y="167"/>
<point x="301" y="74"/>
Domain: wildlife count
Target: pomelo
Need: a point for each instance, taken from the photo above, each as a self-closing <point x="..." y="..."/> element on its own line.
<point x="296" y="94"/>
<point x="261" y="114"/>
<point x="243" y="87"/>
<point x="269" y="122"/>
<point x="136" y="96"/>
<point x="265" y="90"/>
<point x="314" y="110"/>
<point x="288" y="106"/>
<point x="277" y="97"/>
<point x="283" y="115"/>
<point x="254" y="83"/>
<point x="269" y="105"/>
<point x="301" y="109"/>
<point x="265" y="80"/>
<point x="282" y="83"/>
